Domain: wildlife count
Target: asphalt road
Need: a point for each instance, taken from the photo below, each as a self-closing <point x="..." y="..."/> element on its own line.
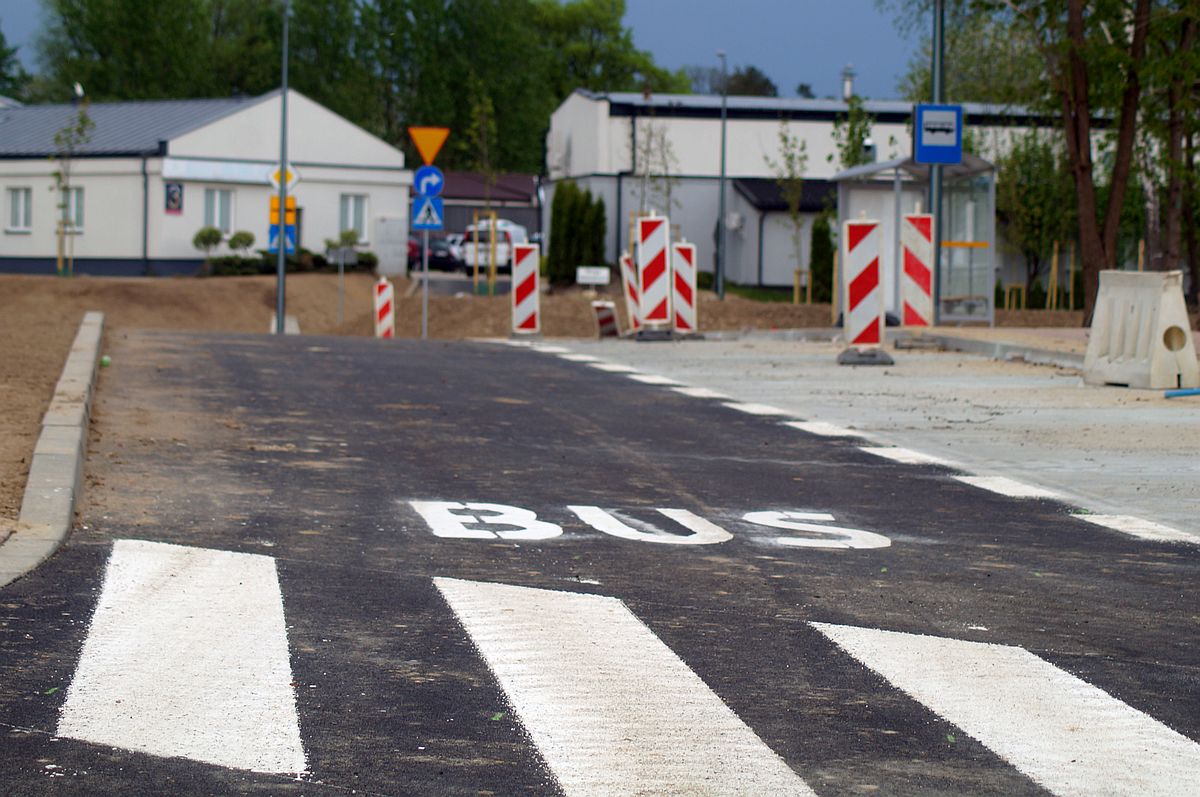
<point x="745" y="575"/>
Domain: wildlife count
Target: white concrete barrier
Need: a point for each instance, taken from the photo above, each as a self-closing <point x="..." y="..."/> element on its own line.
<point x="1140" y="333"/>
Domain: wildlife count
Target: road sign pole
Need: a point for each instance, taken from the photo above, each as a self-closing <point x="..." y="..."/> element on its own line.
<point x="281" y="261"/>
<point x="341" y="284"/>
<point x="425" y="286"/>
<point x="935" y="172"/>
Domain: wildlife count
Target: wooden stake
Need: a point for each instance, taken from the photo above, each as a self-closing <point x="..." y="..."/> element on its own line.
<point x="1141" y="253"/>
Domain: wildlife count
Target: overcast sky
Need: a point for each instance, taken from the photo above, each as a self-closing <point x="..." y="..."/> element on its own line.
<point x="792" y="41"/>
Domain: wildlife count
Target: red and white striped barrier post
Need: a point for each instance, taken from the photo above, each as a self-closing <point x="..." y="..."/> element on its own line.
<point x="916" y="278"/>
<point x="629" y="284"/>
<point x="385" y="309"/>
<point x="526" y="318"/>
<point x="683" y="260"/>
<point x="654" y="272"/>
<point x="862" y="296"/>
<point x="606" y="319"/>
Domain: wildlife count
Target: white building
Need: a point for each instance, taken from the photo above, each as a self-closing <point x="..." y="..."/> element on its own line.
<point x="151" y="174"/>
<point x="617" y="145"/>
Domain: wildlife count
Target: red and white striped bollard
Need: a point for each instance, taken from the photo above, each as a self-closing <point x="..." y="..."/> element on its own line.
<point x="385" y="309"/>
<point x="526" y="298"/>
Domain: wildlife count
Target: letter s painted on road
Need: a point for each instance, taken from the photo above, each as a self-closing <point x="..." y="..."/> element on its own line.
<point x="833" y="536"/>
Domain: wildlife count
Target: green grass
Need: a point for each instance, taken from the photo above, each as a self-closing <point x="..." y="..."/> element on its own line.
<point x="757" y="294"/>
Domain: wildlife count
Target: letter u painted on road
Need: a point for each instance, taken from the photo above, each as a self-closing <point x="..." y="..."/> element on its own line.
<point x="862" y="294"/>
<point x="526" y="315"/>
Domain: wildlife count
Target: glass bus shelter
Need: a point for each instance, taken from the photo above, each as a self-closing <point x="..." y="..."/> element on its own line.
<point x="968" y="267"/>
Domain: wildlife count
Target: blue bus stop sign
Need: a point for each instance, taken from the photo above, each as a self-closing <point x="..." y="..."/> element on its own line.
<point x="937" y="134"/>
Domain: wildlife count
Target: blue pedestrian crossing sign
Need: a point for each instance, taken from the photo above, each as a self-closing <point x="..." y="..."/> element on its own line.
<point x="427" y="213"/>
<point x="273" y="238"/>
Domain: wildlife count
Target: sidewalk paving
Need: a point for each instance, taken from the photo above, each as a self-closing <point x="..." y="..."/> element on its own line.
<point x="1106" y="449"/>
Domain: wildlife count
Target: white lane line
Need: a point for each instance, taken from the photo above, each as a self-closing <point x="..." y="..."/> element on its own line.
<point x="1146" y="529"/>
<point x="701" y="392"/>
<point x="615" y="368"/>
<point x="579" y="358"/>
<point x="611" y="708"/>
<point x="758" y="409"/>
<point x="1008" y="487"/>
<point x="907" y="456"/>
<point x="544" y="349"/>
<point x="652" y="379"/>
<point x="824" y="429"/>
<point x="1066" y="734"/>
<point x="187" y="656"/>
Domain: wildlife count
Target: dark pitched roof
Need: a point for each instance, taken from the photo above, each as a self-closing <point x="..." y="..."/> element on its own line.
<point x="508" y="187"/>
<point x="764" y="194"/>
<point x="121" y="128"/>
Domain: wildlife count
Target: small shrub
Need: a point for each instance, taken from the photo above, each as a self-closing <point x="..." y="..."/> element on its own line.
<point x="207" y="239"/>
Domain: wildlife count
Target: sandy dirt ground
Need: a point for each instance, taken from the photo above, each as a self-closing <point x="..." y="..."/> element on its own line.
<point x="39" y="317"/>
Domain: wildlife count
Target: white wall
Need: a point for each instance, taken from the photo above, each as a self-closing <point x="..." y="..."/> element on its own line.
<point x="112" y="207"/>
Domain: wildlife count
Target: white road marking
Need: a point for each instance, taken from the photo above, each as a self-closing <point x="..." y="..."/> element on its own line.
<point x="1006" y="486"/>
<point x="612" y="709"/>
<point x="757" y="409"/>
<point x="187" y="656"/>
<point x="701" y="392"/>
<point x="829" y="536"/>
<point x="652" y="379"/>
<point x="906" y="456"/>
<point x="615" y="368"/>
<point x="1066" y="734"/>
<point x="579" y="358"/>
<point x="1146" y="529"/>
<point x="824" y="429"/>
<point x="444" y="523"/>
<point x="704" y="532"/>
<point x="544" y="349"/>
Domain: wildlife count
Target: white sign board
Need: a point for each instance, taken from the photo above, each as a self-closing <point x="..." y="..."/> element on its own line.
<point x="592" y="275"/>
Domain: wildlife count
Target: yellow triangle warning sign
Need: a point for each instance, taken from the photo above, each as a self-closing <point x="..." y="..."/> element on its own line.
<point x="429" y="141"/>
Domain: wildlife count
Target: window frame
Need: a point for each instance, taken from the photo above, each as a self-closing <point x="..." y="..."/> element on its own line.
<point x="347" y="204"/>
<point x="73" y="198"/>
<point x="213" y="206"/>
<point x="23" y="208"/>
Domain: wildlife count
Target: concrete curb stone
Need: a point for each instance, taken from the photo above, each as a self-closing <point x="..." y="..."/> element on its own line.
<point x="56" y="470"/>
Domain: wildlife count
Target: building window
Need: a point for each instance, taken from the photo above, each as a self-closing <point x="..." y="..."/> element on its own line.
<point x="20" y="209"/>
<point x="354" y="215"/>
<point x="70" y="209"/>
<point x="218" y="209"/>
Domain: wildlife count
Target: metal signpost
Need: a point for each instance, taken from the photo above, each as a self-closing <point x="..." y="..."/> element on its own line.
<point x="427" y="211"/>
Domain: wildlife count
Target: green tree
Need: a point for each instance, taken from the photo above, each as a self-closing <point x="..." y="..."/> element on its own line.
<point x="13" y="78"/>
<point x="750" y="81"/>
<point x="589" y="47"/>
<point x="207" y="239"/>
<point x="850" y="133"/>
<point x="240" y="241"/>
<point x="820" y="259"/>
<point x="1035" y="200"/>
<point x="558" y="252"/>
<point x="789" y="176"/>
<point x="597" y="229"/>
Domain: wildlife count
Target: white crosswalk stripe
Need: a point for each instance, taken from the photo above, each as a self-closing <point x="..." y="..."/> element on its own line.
<point x="1066" y="734"/>
<point x="187" y="656"/>
<point x="611" y="708"/>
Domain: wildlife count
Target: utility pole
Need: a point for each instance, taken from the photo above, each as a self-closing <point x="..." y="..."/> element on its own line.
<point x="281" y="263"/>
<point x="935" y="170"/>
<point x="720" y="275"/>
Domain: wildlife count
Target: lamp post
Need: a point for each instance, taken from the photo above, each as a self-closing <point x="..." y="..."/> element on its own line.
<point x="281" y="262"/>
<point x="720" y="275"/>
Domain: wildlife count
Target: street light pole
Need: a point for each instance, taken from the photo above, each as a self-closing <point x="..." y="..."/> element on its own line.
<point x="720" y="275"/>
<point x="281" y="262"/>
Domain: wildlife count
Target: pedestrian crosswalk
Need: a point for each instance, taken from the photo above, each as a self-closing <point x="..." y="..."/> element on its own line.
<point x="187" y="656"/>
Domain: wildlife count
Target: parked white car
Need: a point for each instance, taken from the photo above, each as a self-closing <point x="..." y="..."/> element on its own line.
<point x="477" y="243"/>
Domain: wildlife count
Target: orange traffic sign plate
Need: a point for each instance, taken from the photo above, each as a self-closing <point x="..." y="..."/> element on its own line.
<point x="429" y="141"/>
